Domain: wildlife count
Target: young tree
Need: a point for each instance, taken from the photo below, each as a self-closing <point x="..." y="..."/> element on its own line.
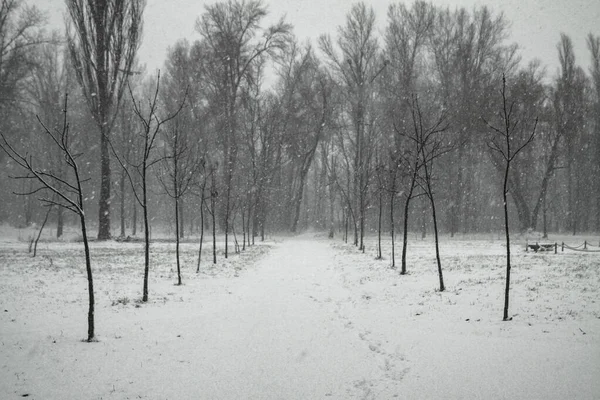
<point x="103" y="42"/>
<point x="179" y="169"/>
<point x="531" y="175"/>
<point x="508" y="140"/>
<point x="431" y="147"/>
<point x="63" y="190"/>
<point x="151" y="124"/>
<point x="410" y="157"/>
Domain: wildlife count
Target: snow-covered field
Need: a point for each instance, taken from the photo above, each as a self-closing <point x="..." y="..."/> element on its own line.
<point x="300" y="318"/>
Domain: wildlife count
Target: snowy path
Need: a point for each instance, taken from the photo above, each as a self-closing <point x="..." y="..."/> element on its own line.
<point x="306" y="322"/>
<point x="279" y="335"/>
<point x="273" y="333"/>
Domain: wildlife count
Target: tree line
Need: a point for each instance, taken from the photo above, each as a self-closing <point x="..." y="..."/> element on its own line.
<point x="271" y="134"/>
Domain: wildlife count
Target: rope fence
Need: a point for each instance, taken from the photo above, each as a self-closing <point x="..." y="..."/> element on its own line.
<point x="585" y="247"/>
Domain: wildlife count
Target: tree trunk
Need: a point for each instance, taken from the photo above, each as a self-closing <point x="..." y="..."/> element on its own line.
<point x="37" y="239"/>
<point x="379" y="257"/>
<point x="406" y="209"/>
<point x="177" y="239"/>
<point x="122" y="205"/>
<point x="104" y="201"/>
<point x="60" y="222"/>
<point x="297" y="200"/>
<point x="214" y="225"/>
<point x="456" y="208"/>
<point x="134" y="220"/>
<point x="88" y="267"/>
<point x="437" y="246"/>
<point x="331" y="211"/>
<point x="346" y="223"/>
<point x="146" y="234"/>
<point x="227" y="208"/>
<point x="181" y="218"/>
<point x="392" y="228"/>
<point x="243" y="230"/>
<point x="201" y="229"/>
<point x="250" y="209"/>
<point x="423" y="220"/>
<point x="506" y="229"/>
<point x="545" y="220"/>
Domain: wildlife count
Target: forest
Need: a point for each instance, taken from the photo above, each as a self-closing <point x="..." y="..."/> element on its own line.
<point x="222" y="177"/>
<point x="245" y="130"/>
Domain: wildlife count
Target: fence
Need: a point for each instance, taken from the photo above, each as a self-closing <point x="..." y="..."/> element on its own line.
<point x="584" y="247"/>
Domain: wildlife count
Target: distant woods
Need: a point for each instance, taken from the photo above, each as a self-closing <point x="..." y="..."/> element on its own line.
<point x="277" y="135"/>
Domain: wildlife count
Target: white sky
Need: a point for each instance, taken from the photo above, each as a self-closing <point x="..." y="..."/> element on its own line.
<point x="536" y="24"/>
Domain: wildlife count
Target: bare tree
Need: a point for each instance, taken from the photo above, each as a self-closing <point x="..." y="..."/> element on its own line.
<point x="236" y="41"/>
<point x="179" y="170"/>
<point x="430" y="147"/>
<point x="508" y="142"/>
<point x="63" y="191"/>
<point x="410" y="157"/>
<point x="357" y="67"/>
<point x="468" y="48"/>
<point x="308" y="112"/>
<point x="151" y="124"/>
<point x="103" y="38"/>
<point x="531" y="175"/>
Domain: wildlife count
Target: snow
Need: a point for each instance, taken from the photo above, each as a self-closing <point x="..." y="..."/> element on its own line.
<point x="299" y="318"/>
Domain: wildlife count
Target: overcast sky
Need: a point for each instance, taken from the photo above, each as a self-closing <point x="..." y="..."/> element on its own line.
<point x="536" y="24"/>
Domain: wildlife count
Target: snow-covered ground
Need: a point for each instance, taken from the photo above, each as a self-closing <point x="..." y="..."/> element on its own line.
<point x="300" y="318"/>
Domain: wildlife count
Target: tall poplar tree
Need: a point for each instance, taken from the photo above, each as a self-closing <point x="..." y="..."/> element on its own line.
<point x="103" y="38"/>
